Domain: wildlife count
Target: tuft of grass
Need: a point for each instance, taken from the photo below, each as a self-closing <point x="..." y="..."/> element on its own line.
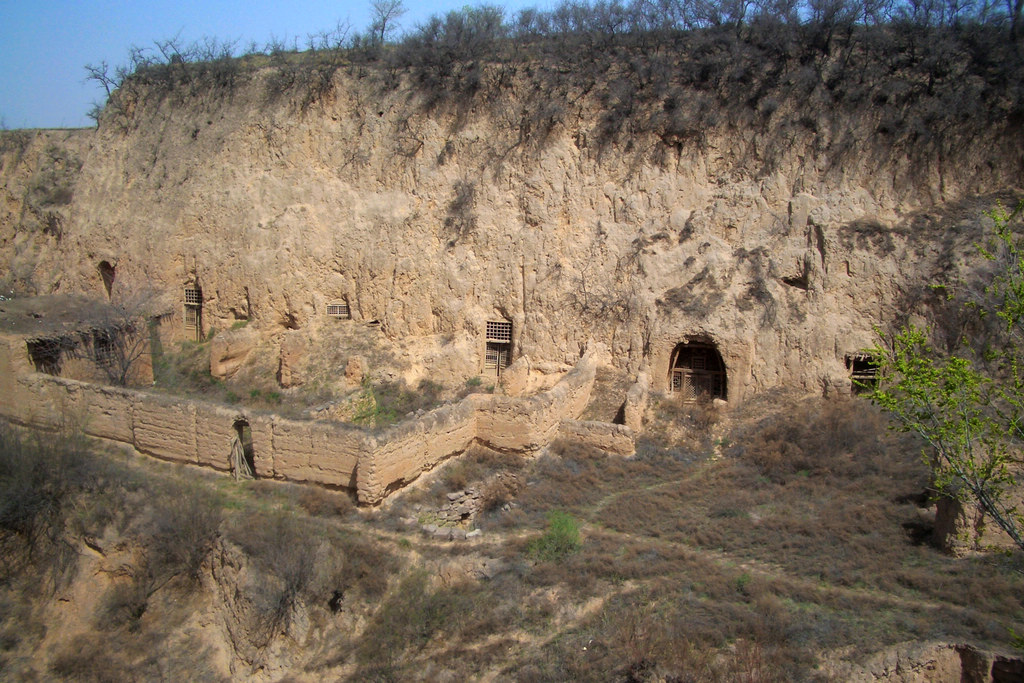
<point x="561" y="539"/>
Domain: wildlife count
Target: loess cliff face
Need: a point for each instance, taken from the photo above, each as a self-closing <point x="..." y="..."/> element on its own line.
<point x="783" y="229"/>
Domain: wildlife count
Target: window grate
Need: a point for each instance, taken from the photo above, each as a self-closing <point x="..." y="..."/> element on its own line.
<point x="191" y="318"/>
<point x="103" y="350"/>
<point x="499" y="331"/>
<point x="338" y="309"/>
<point x="193" y="296"/>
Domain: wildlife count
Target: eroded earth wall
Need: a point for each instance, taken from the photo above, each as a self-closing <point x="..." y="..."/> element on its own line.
<point x="327" y="453"/>
<point x="784" y="237"/>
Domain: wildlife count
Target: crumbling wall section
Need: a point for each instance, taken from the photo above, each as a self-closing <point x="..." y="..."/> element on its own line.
<point x="99" y="411"/>
<point x="603" y="436"/>
<point x="635" y="405"/>
<point x="165" y="427"/>
<point x="317" y="452"/>
<point x="404" y="452"/>
<point x="528" y="424"/>
<point x="326" y="453"/>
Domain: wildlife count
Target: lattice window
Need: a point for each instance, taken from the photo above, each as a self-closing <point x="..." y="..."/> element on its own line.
<point x="338" y="309"/>
<point x="46" y="355"/>
<point x="193" y="313"/>
<point x="103" y="349"/>
<point x="499" y="331"/>
<point x="677" y="380"/>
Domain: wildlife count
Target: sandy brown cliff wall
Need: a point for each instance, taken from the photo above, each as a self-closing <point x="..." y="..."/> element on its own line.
<point x="435" y="218"/>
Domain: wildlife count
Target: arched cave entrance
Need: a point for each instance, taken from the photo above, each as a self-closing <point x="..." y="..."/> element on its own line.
<point x="107" y="273"/>
<point x="243" y="457"/>
<point x="697" y="371"/>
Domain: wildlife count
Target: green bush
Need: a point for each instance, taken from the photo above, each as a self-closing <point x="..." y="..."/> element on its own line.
<point x="561" y="539"/>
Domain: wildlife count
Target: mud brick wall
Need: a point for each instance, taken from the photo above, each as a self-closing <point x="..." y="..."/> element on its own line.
<point x="528" y="424"/>
<point x="327" y="453"/>
<point x="401" y="454"/>
<point x="604" y="436"/>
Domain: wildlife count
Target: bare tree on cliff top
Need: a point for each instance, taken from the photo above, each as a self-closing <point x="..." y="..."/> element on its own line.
<point x="385" y="14"/>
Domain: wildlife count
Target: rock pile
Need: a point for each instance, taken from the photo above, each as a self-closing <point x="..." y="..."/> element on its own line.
<point x="452" y="520"/>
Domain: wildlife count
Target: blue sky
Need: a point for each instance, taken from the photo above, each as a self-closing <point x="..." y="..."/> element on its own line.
<point x="45" y="44"/>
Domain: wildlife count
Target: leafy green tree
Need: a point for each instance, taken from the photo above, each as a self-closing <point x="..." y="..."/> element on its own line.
<point x="969" y="408"/>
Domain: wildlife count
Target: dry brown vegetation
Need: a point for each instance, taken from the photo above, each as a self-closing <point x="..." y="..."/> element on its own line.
<point x="786" y="533"/>
<point x="184" y="370"/>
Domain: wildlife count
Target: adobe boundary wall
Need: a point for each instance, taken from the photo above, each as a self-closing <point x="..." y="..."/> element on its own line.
<point x="328" y="453"/>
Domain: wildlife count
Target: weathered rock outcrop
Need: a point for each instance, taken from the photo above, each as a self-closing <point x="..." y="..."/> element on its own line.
<point x="434" y="219"/>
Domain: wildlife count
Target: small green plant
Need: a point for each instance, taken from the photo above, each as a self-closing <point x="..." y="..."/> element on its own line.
<point x="239" y="324"/>
<point x="1016" y="639"/>
<point x="561" y="539"/>
<point x="473" y="382"/>
<point x="369" y="410"/>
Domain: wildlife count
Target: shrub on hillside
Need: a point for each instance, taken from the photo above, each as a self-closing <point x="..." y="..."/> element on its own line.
<point x="561" y="539"/>
<point x="40" y="476"/>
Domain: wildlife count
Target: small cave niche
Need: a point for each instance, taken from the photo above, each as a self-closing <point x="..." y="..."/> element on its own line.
<point x="243" y="455"/>
<point x="697" y="371"/>
<point x="798" y="281"/>
<point x="289" y="321"/>
<point x="863" y="370"/>
<point x="45" y="355"/>
<point x="107" y="274"/>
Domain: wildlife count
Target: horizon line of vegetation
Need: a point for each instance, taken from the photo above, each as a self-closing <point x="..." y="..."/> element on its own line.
<point x="572" y="30"/>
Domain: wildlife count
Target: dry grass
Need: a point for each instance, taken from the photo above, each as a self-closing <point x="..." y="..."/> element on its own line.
<point x="382" y="400"/>
<point x="794" y="543"/>
<point x="749" y="561"/>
